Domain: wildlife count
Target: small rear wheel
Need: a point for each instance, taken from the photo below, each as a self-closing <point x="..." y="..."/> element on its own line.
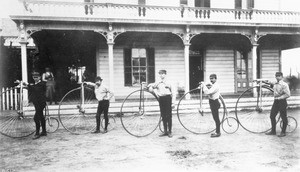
<point x="111" y="123"/>
<point x="291" y="126"/>
<point x="230" y="125"/>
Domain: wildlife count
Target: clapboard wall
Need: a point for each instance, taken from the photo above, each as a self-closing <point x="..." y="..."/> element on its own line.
<point x="270" y="63"/>
<point x="221" y="63"/>
<point x="170" y="58"/>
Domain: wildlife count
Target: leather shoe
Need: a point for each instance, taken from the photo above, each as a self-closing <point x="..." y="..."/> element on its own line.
<point x="215" y="135"/>
<point x="96" y="132"/>
<point x="105" y="131"/>
<point x="170" y="135"/>
<point x="281" y="134"/>
<point x="164" y="134"/>
<point x="271" y="133"/>
<point x="43" y="134"/>
<point x="36" y="137"/>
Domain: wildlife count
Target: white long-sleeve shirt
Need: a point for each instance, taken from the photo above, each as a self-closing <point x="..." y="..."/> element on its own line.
<point x="213" y="92"/>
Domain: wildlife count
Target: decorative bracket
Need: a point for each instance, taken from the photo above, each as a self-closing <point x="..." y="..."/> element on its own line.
<point x="110" y="36"/>
<point x="254" y="38"/>
<point x="185" y="37"/>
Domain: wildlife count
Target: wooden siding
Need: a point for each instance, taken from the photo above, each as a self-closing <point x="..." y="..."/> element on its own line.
<point x="270" y="63"/>
<point x="166" y="57"/>
<point x="221" y="62"/>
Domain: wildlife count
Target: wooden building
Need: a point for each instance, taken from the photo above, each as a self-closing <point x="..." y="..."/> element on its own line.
<point x="126" y="42"/>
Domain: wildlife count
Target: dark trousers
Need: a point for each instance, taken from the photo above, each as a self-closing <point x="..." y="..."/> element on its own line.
<point x="165" y="104"/>
<point x="39" y="118"/>
<point x="214" y="107"/>
<point x="103" y="106"/>
<point x="279" y="106"/>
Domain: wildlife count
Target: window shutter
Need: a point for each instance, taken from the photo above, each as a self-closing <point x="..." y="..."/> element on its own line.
<point x="127" y="67"/>
<point x="151" y="65"/>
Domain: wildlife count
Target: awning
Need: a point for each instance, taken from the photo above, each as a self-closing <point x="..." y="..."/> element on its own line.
<point x="14" y="42"/>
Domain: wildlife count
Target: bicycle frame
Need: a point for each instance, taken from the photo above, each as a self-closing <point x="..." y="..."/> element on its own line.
<point x="142" y="103"/>
<point x="259" y="96"/>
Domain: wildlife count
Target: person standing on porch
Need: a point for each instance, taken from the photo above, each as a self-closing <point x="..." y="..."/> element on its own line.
<point x="48" y="77"/>
<point x="165" y="93"/>
<point x="38" y="98"/>
<point x="213" y="92"/>
<point x="103" y="95"/>
<point x="281" y="93"/>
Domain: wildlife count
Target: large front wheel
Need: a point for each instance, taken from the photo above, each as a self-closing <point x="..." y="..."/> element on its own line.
<point x="77" y="111"/>
<point x="140" y="113"/>
<point x="194" y="118"/>
<point x="253" y="110"/>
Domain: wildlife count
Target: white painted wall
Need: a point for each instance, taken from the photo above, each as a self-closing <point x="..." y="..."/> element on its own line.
<point x="229" y="4"/>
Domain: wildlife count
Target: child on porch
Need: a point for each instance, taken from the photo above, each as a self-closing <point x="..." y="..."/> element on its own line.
<point x="103" y="95"/>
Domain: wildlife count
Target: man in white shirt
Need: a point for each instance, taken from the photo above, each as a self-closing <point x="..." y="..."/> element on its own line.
<point x="281" y="93"/>
<point x="164" y="91"/>
<point x="213" y="93"/>
<point x="103" y="95"/>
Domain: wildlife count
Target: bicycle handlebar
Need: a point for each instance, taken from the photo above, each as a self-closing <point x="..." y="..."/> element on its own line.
<point x="260" y="80"/>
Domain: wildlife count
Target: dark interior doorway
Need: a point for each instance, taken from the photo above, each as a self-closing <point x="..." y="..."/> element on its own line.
<point x="196" y="69"/>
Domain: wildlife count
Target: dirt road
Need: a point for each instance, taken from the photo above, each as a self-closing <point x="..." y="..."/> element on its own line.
<point x="119" y="151"/>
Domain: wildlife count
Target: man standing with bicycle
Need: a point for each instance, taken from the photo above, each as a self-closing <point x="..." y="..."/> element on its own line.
<point x="213" y="93"/>
<point x="281" y="93"/>
<point x="164" y="91"/>
<point x="103" y="95"/>
<point x="38" y="98"/>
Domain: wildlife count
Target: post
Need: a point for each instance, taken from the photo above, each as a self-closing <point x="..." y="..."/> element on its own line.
<point x="254" y="64"/>
<point x="24" y="68"/>
<point x="187" y="68"/>
<point x="111" y="66"/>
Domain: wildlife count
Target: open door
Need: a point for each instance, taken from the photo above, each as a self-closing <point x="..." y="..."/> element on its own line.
<point x="196" y="69"/>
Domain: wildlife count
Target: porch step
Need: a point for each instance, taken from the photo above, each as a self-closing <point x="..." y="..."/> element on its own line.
<point x="293" y="102"/>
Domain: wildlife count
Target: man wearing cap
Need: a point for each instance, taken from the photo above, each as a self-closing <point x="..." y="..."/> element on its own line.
<point x="213" y="92"/>
<point x="38" y="98"/>
<point x="103" y="95"/>
<point x="164" y="91"/>
<point x="281" y="93"/>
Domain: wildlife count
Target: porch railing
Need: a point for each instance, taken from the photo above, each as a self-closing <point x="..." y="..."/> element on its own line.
<point x="147" y="14"/>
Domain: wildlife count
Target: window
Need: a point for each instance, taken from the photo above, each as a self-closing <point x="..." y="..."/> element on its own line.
<point x="183" y="2"/>
<point x="241" y="4"/>
<point x="241" y="66"/>
<point x="138" y="66"/>
<point x="202" y="3"/>
<point x="142" y="2"/>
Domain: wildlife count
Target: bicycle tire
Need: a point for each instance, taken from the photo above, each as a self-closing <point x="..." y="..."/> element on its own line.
<point x="230" y="125"/>
<point x="13" y="123"/>
<point x="249" y="115"/>
<point x="75" y="117"/>
<point x="292" y="124"/>
<point x="111" y="123"/>
<point x="192" y="118"/>
<point x="140" y="122"/>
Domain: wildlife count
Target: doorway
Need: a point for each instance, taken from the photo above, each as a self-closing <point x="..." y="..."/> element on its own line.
<point x="196" y="69"/>
<point x="241" y="60"/>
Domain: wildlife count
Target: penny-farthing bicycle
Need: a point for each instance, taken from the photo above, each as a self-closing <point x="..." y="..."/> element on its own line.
<point x="194" y="114"/>
<point x="140" y="112"/>
<point x="77" y="110"/>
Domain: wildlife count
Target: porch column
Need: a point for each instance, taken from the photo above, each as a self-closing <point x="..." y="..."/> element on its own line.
<point x="254" y="64"/>
<point x="111" y="65"/>
<point x="187" y="67"/>
<point x="254" y="61"/>
<point x="24" y="68"/>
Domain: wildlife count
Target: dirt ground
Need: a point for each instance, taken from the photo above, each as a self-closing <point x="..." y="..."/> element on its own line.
<point x="119" y="151"/>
